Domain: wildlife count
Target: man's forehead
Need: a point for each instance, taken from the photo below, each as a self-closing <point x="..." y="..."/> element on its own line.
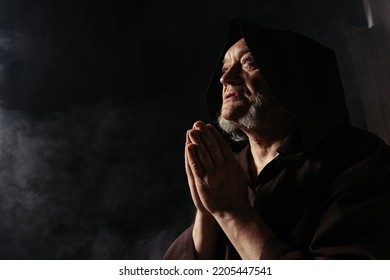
<point x="239" y="48"/>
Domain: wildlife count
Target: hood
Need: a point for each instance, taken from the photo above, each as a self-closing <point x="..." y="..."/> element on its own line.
<point x="301" y="73"/>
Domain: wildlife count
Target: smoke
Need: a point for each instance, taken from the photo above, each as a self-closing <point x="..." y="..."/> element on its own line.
<point x="94" y="177"/>
<point x="4" y="45"/>
<point x="97" y="180"/>
<point x="6" y="56"/>
<point x="87" y="183"/>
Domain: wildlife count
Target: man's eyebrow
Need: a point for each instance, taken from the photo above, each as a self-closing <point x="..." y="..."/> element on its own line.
<point x="245" y="52"/>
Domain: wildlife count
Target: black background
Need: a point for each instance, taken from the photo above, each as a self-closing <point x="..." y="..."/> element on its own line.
<point x="96" y="98"/>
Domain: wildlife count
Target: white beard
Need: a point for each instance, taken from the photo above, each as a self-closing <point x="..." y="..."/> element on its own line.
<point x="255" y="112"/>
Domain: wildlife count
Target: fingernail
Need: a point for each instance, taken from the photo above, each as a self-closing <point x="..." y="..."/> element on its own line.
<point x="198" y="124"/>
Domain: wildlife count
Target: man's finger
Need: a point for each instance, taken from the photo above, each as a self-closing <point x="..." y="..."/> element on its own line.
<point x="191" y="181"/>
<point x="190" y="176"/>
<point x="223" y="146"/>
<point x="200" y="150"/>
<point x="209" y="142"/>
<point x="193" y="161"/>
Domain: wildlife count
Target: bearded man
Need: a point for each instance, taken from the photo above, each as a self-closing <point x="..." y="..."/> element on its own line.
<point x="295" y="180"/>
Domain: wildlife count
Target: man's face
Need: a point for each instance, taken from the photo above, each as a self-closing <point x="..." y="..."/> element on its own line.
<point x="243" y="84"/>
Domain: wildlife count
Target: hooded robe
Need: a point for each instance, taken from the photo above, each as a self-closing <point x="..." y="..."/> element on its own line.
<point x="327" y="194"/>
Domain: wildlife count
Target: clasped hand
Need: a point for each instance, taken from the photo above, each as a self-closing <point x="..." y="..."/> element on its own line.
<point x="217" y="182"/>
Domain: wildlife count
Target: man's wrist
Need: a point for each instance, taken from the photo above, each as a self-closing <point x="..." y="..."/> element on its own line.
<point x="204" y="235"/>
<point x="205" y="218"/>
<point x="243" y="214"/>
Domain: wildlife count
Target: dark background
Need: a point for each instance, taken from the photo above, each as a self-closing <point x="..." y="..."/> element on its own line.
<point x="96" y="98"/>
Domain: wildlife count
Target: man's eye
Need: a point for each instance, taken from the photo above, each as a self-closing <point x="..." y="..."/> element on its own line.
<point x="248" y="60"/>
<point x="224" y="69"/>
<point x="249" y="63"/>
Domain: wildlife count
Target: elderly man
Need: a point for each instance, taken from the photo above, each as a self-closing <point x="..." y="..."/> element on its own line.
<point x="297" y="182"/>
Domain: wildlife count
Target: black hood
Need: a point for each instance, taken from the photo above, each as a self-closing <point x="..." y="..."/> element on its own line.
<point x="301" y="73"/>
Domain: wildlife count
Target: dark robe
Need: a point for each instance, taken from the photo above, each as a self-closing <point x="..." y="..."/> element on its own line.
<point x="327" y="194"/>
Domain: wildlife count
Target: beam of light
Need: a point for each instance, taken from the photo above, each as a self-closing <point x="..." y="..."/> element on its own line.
<point x="5" y="43"/>
<point x="367" y="9"/>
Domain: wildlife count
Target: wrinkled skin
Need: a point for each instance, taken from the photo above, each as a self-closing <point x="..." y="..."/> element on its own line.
<point x="216" y="180"/>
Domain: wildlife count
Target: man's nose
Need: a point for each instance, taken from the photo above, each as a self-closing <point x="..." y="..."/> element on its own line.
<point x="231" y="76"/>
